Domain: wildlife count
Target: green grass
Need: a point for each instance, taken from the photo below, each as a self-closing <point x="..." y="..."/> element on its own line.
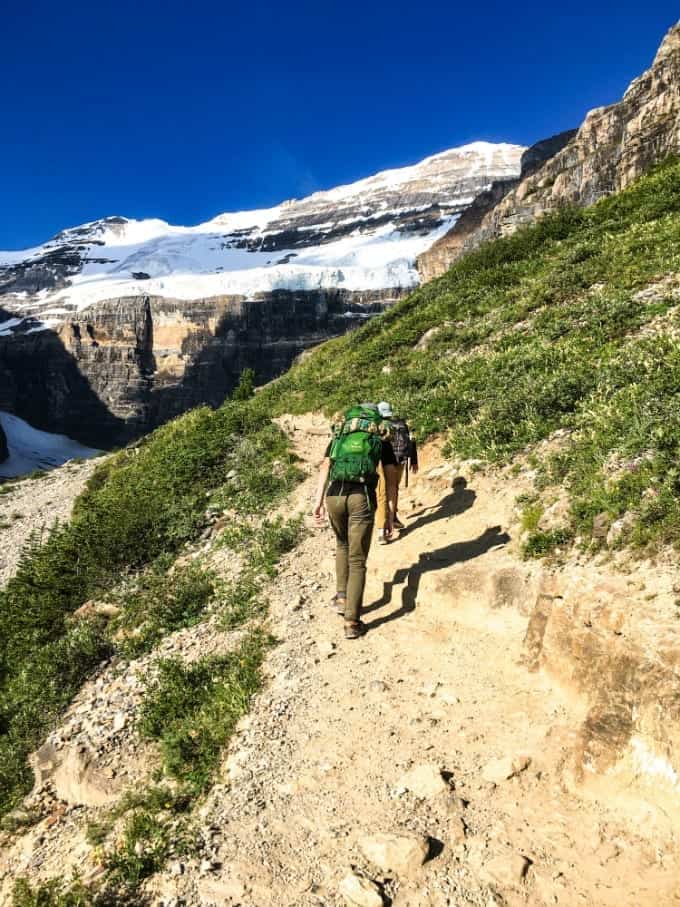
<point x="140" y="505"/>
<point x="542" y="331"/>
<point x="158" y="601"/>
<point x="243" y="598"/>
<point x="191" y="710"/>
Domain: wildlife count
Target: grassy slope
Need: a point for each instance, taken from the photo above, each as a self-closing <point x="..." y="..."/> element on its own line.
<point x="537" y="331"/>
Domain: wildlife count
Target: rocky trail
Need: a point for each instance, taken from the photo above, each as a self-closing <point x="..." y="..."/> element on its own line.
<point x="423" y="765"/>
<point x="430" y="730"/>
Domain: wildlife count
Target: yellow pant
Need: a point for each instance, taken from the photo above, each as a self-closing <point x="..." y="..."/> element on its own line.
<point x="397" y="473"/>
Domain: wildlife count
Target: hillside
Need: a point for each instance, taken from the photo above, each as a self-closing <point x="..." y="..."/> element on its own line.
<point x="551" y="355"/>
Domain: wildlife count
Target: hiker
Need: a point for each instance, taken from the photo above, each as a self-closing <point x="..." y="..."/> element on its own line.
<point x="406" y="456"/>
<point x="349" y="469"/>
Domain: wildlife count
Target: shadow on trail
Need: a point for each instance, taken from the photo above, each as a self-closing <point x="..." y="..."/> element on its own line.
<point x="428" y="561"/>
<point x="455" y="503"/>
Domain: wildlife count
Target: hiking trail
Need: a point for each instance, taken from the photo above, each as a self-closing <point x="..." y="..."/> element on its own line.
<point x="431" y="730"/>
<point x="403" y="731"/>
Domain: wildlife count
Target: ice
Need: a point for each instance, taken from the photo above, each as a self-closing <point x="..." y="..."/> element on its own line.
<point x="31" y="449"/>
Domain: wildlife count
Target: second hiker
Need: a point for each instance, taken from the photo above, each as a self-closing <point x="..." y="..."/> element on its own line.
<point x="406" y="458"/>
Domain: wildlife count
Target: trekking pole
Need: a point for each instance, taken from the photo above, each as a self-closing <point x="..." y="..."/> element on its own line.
<point x="407" y="465"/>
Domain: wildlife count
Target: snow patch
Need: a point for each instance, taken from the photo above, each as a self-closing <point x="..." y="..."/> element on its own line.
<point x="31" y="449"/>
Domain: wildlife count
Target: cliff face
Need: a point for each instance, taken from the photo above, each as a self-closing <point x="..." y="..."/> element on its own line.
<point x="441" y="255"/>
<point x="613" y="146"/>
<point x="119" y="368"/>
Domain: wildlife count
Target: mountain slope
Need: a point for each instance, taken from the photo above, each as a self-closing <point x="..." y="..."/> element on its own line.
<point x="554" y="351"/>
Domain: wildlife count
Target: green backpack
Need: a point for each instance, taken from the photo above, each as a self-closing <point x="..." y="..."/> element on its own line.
<point x="357" y="445"/>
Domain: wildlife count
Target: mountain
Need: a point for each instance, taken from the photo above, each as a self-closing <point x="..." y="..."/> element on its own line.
<point x="613" y="146"/>
<point x="115" y="326"/>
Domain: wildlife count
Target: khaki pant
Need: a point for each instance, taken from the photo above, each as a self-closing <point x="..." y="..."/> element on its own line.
<point x="352" y="520"/>
<point x="397" y="473"/>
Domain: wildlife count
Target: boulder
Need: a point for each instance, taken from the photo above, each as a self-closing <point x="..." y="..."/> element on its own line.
<point x="75" y="775"/>
<point x="424" y="781"/>
<point x="359" y="892"/>
<point x="402" y="853"/>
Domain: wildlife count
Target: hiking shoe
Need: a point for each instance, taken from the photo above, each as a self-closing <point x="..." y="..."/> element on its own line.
<point x="354" y="630"/>
<point x="397" y="523"/>
<point x="382" y="538"/>
<point x="338" y="603"/>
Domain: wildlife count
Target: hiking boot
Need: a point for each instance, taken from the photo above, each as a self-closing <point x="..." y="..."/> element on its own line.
<point x="338" y="603"/>
<point x="382" y="538"/>
<point x="354" y="630"/>
<point x="397" y="523"/>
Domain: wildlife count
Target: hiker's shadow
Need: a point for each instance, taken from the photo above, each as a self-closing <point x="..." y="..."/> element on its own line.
<point x="428" y="561"/>
<point x="455" y="503"/>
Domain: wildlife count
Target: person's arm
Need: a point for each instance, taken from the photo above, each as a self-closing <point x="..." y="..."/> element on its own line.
<point x="319" y="506"/>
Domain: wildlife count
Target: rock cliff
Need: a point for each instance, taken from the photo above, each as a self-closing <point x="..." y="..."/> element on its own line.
<point x="613" y="146"/>
<point x="118" y="368"/>
<point x="441" y="255"/>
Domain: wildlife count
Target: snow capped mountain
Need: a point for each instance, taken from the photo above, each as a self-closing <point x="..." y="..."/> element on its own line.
<point x="364" y="236"/>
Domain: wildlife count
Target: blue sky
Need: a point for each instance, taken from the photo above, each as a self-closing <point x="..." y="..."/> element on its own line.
<point x="184" y="110"/>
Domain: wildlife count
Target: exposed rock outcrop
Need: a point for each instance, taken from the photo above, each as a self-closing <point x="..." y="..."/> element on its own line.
<point x="613" y="146"/>
<point x="441" y="255"/>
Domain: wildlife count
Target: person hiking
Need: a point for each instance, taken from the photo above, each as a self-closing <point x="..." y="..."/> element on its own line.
<point x="406" y="456"/>
<point x="346" y="491"/>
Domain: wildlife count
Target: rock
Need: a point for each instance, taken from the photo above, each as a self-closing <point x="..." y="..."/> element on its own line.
<point x="498" y="770"/>
<point x="96" y="609"/>
<point x="402" y="853"/>
<point x="601" y="523"/>
<point x="77" y="779"/>
<point x="119" y="722"/>
<point x="425" y="781"/>
<point x="620" y="527"/>
<point x="378" y="686"/>
<point x="360" y="892"/>
<point x="327" y="649"/>
<point x="507" y="869"/>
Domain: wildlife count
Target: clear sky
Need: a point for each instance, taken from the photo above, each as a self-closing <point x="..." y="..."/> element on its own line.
<point x="184" y="110"/>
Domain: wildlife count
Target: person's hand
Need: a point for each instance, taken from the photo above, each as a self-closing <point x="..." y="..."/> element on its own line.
<point x="320" y="513"/>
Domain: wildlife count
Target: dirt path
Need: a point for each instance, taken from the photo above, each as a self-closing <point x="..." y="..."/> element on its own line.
<point x="437" y="685"/>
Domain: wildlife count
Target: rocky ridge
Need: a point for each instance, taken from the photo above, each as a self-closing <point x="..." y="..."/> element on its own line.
<point x="613" y="146"/>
